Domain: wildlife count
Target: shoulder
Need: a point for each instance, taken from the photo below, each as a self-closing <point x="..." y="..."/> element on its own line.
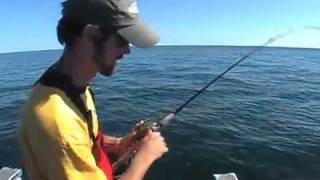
<point x="48" y="102"/>
<point x="50" y="113"/>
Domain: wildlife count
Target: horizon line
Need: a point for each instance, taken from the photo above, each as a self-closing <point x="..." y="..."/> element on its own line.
<point x="177" y="45"/>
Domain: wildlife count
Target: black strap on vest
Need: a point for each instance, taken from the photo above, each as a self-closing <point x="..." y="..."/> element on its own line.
<point x="53" y="78"/>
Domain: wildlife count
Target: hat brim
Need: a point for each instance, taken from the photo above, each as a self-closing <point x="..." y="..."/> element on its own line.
<point x="139" y="35"/>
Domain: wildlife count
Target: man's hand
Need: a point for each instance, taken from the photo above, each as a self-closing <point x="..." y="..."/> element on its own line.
<point x="118" y="146"/>
<point x="152" y="147"/>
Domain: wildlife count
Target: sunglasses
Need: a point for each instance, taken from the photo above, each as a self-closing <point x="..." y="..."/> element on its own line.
<point x="121" y="42"/>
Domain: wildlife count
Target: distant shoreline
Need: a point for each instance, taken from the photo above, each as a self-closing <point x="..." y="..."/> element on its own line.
<point x="222" y="46"/>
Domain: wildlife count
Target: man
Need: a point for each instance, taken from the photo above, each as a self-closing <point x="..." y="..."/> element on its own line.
<point x="60" y="135"/>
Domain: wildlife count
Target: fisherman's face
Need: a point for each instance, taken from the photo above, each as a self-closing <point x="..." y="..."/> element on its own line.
<point x="113" y="49"/>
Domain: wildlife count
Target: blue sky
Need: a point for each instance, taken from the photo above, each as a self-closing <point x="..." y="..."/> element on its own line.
<point x="30" y="25"/>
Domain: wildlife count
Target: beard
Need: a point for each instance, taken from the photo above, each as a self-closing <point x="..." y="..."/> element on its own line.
<point x="105" y="64"/>
<point x="105" y="67"/>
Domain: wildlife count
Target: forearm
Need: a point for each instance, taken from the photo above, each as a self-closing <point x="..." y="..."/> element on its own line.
<point x="137" y="169"/>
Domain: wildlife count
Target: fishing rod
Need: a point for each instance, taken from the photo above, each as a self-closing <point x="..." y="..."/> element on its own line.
<point x="143" y="127"/>
<point x="312" y="27"/>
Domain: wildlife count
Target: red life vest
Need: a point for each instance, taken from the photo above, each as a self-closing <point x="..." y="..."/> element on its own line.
<point x="101" y="156"/>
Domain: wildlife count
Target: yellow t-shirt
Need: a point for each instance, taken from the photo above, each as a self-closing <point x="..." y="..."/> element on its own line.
<point x="54" y="137"/>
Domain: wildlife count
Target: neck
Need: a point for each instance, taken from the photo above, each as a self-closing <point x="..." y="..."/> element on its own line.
<point x="76" y="65"/>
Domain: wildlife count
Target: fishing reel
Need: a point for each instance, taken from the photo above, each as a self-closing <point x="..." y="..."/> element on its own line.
<point x="143" y="127"/>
